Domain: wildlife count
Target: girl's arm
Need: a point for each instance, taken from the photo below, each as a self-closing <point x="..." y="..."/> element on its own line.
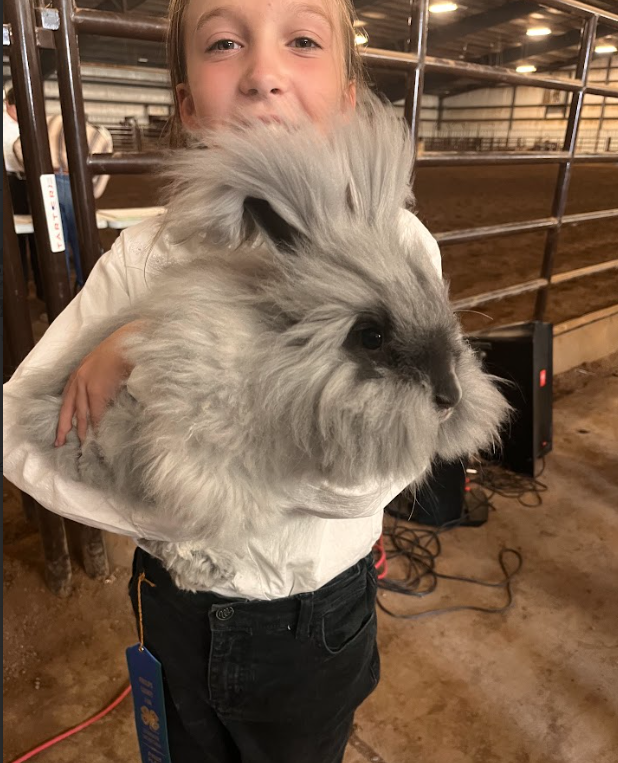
<point x="108" y="291"/>
<point x="94" y="384"/>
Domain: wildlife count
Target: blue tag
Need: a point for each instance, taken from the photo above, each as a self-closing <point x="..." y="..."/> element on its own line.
<point x="149" y="705"/>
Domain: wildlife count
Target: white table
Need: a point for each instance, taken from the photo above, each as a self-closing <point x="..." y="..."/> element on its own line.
<point x="118" y="219"/>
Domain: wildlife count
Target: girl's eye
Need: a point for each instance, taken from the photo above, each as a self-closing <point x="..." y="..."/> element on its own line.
<point x="224" y="45"/>
<point x="304" y="43"/>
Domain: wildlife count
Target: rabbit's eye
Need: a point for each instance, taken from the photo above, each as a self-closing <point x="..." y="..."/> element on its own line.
<point x="371" y="338"/>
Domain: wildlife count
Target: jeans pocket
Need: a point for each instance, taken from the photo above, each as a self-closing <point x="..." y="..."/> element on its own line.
<point x="350" y="621"/>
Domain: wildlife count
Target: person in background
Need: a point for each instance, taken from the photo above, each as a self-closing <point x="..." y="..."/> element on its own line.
<point x="17" y="185"/>
<point x="99" y="142"/>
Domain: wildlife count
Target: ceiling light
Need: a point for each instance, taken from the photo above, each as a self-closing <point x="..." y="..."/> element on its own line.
<point x="142" y="60"/>
<point x="538" y="31"/>
<point x="526" y="69"/>
<point x="606" y="49"/>
<point x="361" y="39"/>
<point x="442" y="7"/>
<point x="373" y="15"/>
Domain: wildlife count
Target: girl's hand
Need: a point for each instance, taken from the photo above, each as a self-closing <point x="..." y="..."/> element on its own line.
<point x="93" y="385"/>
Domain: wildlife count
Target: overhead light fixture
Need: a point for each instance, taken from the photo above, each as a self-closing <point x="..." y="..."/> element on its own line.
<point x="377" y="15"/>
<point x="525" y="69"/>
<point x="443" y="7"/>
<point x="609" y="48"/>
<point x="361" y="39"/>
<point x="538" y="31"/>
<point x="142" y="60"/>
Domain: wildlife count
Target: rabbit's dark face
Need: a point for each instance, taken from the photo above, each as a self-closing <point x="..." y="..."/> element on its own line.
<point x="366" y="369"/>
<point x="426" y="360"/>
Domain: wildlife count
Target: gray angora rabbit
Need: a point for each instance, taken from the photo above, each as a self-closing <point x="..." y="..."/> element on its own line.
<point x="306" y="353"/>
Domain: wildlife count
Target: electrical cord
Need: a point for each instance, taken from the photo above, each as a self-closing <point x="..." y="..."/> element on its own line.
<point x="418" y="548"/>
<point x="46" y="745"/>
<point x="495" y="480"/>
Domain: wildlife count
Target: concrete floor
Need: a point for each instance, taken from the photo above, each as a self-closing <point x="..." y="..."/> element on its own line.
<point x="538" y="684"/>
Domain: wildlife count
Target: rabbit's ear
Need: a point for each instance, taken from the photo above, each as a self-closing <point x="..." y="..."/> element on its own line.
<point x="283" y="235"/>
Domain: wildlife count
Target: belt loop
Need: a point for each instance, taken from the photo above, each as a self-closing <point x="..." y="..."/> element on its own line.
<point x="305" y="616"/>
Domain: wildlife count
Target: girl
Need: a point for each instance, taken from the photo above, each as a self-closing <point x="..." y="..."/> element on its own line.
<point x="272" y="669"/>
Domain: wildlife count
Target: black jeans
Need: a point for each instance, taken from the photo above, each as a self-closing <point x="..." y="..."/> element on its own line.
<point x="261" y="681"/>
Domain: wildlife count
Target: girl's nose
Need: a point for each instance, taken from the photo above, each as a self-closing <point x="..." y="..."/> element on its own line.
<point x="264" y="76"/>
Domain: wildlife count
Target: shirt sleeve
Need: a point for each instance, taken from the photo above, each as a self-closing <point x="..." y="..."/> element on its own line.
<point x="104" y="294"/>
<point x="330" y="501"/>
<point x="18" y="154"/>
<point x="419" y="239"/>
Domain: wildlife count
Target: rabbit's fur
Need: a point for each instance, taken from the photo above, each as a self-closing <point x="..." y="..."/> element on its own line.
<point x="253" y="388"/>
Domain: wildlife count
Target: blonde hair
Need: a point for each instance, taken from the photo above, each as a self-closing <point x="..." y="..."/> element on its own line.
<point x="353" y="65"/>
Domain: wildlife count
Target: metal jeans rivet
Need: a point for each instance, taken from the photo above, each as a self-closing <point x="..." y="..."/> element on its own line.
<point x="225" y="613"/>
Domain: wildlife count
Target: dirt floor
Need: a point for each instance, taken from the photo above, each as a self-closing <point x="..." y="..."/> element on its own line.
<point x="464" y="197"/>
<point x="534" y="685"/>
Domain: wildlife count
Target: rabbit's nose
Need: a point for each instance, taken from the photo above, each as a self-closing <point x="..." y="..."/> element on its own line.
<point x="448" y="394"/>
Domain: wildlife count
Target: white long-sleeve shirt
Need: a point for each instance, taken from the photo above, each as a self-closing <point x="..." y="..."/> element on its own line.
<point x="306" y="551"/>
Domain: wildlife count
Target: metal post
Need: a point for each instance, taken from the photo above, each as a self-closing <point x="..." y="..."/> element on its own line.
<point x="419" y="21"/>
<point x="17" y="335"/>
<point x="58" y="575"/>
<point x="511" y="115"/>
<point x="27" y="84"/>
<point x="17" y="326"/>
<point x="94" y="554"/>
<point x="564" y="173"/>
<point x="603" y="104"/>
<point x="75" y="137"/>
<point x="28" y="87"/>
<point x="25" y="70"/>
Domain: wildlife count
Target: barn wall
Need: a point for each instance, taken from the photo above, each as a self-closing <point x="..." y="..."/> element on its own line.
<point x="538" y="115"/>
<point x="112" y="93"/>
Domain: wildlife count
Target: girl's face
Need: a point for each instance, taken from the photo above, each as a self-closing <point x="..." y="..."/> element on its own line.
<point x="266" y="59"/>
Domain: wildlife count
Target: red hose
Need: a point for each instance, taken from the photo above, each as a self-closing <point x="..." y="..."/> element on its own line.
<point x="381" y="561"/>
<point x="75" y="729"/>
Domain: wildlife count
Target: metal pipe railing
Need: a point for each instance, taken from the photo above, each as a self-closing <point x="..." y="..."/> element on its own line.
<point x="17" y="326"/>
<point x="536" y="285"/>
<point x="418" y="25"/>
<point x="577" y="8"/>
<point x="71" y="94"/>
<point x="415" y="63"/>
<point x="28" y="87"/>
<point x="128" y="163"/>
<point x="465" y="235"/>
<point x="27" y="84"/>
<point x="469" y="158"/>
<point x="127" y="26"/>
<point x="390" y="60"/>
<point x="498" y="294"/>
<point x="494" y="231"/>
<point x="589" y="270"/>
<point x="563" y="180"/>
